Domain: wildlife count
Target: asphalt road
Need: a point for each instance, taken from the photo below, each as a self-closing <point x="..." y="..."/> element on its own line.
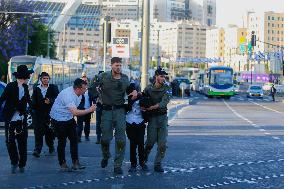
<point x="212" y="143"/>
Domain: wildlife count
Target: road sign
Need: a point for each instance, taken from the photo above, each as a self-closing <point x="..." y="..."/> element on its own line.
<point x="242" y="48"/>
<point x="120" y="47"/>
<point x="242" y="39"/>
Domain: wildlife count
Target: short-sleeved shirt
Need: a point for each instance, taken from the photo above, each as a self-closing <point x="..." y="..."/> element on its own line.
<point x="65" y="100"/>
<point x="113" y="90"/>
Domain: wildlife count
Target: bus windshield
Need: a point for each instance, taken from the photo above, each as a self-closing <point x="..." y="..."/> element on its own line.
<point x="221" y="77"/>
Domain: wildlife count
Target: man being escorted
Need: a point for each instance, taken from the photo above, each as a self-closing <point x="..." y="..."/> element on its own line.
<point x="86" y="101"/>
<point x="112" y="86"/>
<point x="157" y="130"/>
<point x="42" y="100"/>
<point x="62" y="116"/>
<point x="16" y="96"/>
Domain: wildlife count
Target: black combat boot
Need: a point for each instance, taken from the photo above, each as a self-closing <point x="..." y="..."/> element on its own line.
<point x="159" y="169"/>
<point x="118" y="171"/>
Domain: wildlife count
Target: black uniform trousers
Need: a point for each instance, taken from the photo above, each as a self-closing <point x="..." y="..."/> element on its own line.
<point x="17" y="131"/>
<point x="64" y="130"/>
<point x="80" y="121"/>
<point x="135" y="134"/>
<point x="42" y="128"/>
<point x="99" y="111"/>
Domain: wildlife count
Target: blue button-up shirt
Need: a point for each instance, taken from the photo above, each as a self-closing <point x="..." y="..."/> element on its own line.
<point x="66" y="99"/>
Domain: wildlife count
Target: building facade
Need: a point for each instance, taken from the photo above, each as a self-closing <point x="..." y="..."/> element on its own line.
<point x="269" y="31"/>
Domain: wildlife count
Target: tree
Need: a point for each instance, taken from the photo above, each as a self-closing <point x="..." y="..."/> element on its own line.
<point x="14" y="31"/>
<point x="39" y="40"/>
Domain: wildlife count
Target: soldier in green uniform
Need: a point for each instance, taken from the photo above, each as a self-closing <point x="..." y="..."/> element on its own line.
<point x="112" y="87"/>
<point x="157" y="131"/>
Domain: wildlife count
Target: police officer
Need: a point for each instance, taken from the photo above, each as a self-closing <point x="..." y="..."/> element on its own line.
<point x="99" y="108"/>
<point x="42" y="100"/>
<point x="16" y="96"/>
<point x="157" y="130"/>
<point x="112" y="86"/>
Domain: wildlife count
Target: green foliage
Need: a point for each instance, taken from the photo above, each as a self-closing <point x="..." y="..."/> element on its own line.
<point x="39" y="40"/>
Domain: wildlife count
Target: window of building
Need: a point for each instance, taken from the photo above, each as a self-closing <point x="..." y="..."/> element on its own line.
<point x="272" y="17"/>
<point x="268" y="17"/>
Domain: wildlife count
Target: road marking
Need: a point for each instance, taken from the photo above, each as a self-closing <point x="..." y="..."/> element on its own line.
<point x="236" y="181"/>
<point x="250" y="122"/>
<point x="268" y="108"/>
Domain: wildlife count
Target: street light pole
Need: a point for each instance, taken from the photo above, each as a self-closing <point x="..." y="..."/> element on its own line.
<point x="48" y="42"/>
<point x="106" y="20"/>
<point x="27" y="40"/>
<point x="145" y="44"/>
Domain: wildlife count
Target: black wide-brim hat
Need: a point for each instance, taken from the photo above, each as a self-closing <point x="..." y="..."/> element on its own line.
<point x="160" y="71"/>
<point x="23" y="72"/>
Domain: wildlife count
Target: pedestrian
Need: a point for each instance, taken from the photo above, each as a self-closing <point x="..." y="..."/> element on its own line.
<point x="112" y="86"/>
<point x="157" y="130"/>
<point x="273" y="92"/>
<point x="62" y="117"/>
<point x="99" y="108"/>
<point x="43" y="98"/>
<point x="135" y="130"/>
<point x="86" y="101"/>
<point x="16" y="97"/>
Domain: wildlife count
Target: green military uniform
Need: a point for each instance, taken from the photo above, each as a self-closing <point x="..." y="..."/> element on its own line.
<point x="157" y="130"/>
<point x="113" y="115"/>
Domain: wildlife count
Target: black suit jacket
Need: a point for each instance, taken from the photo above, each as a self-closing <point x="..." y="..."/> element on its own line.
<point x="12" y="103"/>
<point x="38" y="104"/>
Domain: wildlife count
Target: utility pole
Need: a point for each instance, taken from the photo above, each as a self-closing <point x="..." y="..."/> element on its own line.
<point x="145" y="44"/>
<point x="158" y="51"/>
<point x="48" y="42"/>
<point x="106" y="20"/>
<point x="27" y="40"/>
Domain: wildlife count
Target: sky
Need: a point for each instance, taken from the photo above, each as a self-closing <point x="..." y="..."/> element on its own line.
<point x="231" y="11"/>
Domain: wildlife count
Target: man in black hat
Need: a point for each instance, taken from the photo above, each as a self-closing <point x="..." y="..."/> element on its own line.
<point x="157" y="130"/>
<point x="43" y="98"/>
<point x="16" y="97"/>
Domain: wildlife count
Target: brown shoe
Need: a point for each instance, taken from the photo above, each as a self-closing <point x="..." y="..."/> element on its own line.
<point x="64" y="168"/>
<point x="76" y="165"/>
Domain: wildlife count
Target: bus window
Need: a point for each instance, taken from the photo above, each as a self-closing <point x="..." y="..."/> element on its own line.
<point x="35" y="75"/>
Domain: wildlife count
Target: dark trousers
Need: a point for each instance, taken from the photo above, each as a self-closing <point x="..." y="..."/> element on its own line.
<point x="80" y="122"/>
<point x="17" y="131"/>
<point x="41" y="128"/>
<point x="273" y="96"/>
<point x="64" y="130"/>
<point x="135" y="134"/>
<point x="99" y="111"/>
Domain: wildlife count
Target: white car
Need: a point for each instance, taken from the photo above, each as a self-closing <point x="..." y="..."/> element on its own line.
<point x="255" y="91"/>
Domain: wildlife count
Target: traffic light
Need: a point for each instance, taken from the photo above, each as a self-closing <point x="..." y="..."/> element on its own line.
<point x="253" y="39"/>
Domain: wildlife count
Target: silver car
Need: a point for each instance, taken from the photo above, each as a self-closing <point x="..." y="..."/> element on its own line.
<point x="255" y="91"/>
